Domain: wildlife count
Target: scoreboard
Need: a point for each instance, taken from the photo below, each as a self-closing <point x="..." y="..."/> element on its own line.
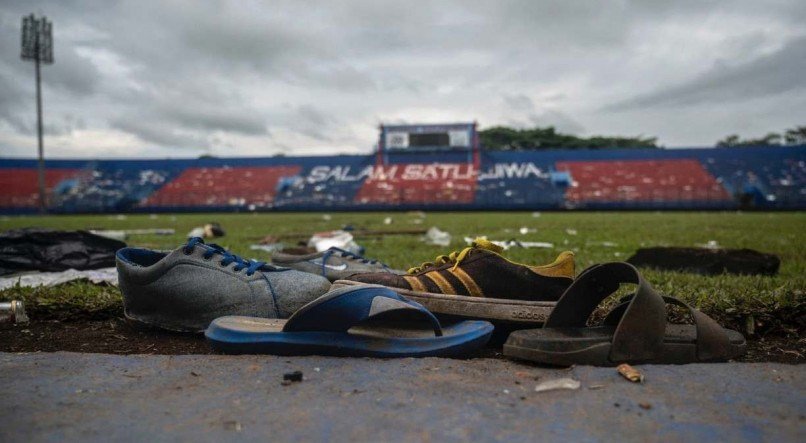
<point x="456" y="136"/>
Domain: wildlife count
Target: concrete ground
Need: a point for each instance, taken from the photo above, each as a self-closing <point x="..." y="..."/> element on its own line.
<point x="98" y="397"/>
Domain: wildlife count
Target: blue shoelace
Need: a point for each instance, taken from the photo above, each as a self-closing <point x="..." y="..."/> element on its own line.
<point x="348" y="254"/>
<point x="226" y="257"/>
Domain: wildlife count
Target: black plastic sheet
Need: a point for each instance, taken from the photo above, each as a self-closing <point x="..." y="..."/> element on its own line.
<point x="34" y="249"/>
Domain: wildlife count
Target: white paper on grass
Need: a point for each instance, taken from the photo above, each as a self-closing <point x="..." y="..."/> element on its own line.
<point x="506" y="244"/>
<point x="35" y="279"/>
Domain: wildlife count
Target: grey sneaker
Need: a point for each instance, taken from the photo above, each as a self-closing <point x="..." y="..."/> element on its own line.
<point x="333" y="264"/>
<point x="186" y="289"/>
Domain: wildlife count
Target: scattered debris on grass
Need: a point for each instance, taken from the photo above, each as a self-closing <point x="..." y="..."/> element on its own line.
<point x="711" y="244"/>
<point x="272" y="247"/>
<point x="35" y="279"/>
<point x="322" y="241"/>
<point x="209" y="230"/>
<point x="122" y="235"/>
<point x="13" y="312"/>
<point x="52" y="250"/>
<point x="556" y="384"/>
<point x="434" y="236"/>
<point x="570" y="231"/>
<point x="507" y="244"/>
<point x="630" y="373"/>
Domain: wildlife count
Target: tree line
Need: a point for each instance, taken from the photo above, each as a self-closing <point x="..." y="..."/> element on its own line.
<point x="790" y="137"/>
<point x="503" y="138"/>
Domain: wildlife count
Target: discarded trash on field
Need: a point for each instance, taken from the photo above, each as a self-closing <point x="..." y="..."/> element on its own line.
<point x="506" y="244"/>
<point x="271" y="247"/>
<point x="556" y="384"/>
<point x="36" y="279"/>
<point x="323" y="241"/>
<point x="123" y="234"/>
<point x="436" y="237"/>
<point x="210" y="230"/>
<point x="570" y="231"/>
<point x="49" y="250"/>
<point x="711" y="244"/>
<point x="630" y="373"/>
<point x="13" y="312"/>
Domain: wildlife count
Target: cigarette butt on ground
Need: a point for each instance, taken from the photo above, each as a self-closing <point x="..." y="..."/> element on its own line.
<point x="630" y="373"/>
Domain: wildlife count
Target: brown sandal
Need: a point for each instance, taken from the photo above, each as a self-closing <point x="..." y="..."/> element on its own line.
<point x="635" y="331"/>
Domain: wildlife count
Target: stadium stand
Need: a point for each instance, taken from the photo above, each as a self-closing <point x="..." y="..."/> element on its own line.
<point x="321" y="185"/>
<point x="506" y="181"/>
<point x="771" y="178"/>
<point x="712" y="178"/>
<point x="109" y="187"/>
<point x="19" y="187"/>
<point x="665" y="183"/>
<point x="221" y="187"/>
<point x="448" y="184"/>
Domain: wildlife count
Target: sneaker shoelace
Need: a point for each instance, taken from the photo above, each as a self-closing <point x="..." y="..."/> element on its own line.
<point x="350" y="256"/>
<point x="457" y="257"/>
<point x="227" y="257"/>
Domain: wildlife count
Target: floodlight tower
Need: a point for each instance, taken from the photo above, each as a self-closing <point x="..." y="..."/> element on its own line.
<point x="37" y="45"/>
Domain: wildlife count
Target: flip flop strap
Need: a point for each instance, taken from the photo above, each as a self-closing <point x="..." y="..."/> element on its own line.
<point x="639" y="333"/>
<point x="712" y="340"/>
<point x="340" y="312"/>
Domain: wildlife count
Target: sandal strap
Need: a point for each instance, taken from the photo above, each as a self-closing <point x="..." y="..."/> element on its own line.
<point x="640" y="330"/>
<point x="712" y="341"/>
<point x="341" y="309"/>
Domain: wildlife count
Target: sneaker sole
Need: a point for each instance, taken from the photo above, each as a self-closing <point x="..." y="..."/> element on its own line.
<point x="521" y="312"/>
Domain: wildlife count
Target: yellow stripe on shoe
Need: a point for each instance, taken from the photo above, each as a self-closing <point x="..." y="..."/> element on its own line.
<point x="470" y="284"/>
<point x="563" y="266"/>
<point x="444" y="285"/>
<point x="415" y="283"/>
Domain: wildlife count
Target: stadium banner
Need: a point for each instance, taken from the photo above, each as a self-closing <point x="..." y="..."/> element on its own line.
<point x="715" y="178"/>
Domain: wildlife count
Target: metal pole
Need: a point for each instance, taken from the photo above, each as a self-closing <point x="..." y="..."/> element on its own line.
<point x="42" y="198"/>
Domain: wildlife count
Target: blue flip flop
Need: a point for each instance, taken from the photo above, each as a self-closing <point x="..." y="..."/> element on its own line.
<point x="369" y="321"/>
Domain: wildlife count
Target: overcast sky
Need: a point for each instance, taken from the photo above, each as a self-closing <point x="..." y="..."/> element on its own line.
<point x="183" y="78"/>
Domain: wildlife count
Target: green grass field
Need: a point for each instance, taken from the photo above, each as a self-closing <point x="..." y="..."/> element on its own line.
<point x="770" y="304"/>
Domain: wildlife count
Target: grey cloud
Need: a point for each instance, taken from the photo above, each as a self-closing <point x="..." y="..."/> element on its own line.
<point x="159" y="133"/>
<point x="210" y="118"/>
<point x="777" y="73"/>
<point x="312" y="122"/>
<point x="199" y="74"/>
<point x="525" y="108"/>
<point x="519" y="102"/>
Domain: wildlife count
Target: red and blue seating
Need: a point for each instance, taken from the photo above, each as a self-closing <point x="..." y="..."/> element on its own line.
<point x="764" y="178"/>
